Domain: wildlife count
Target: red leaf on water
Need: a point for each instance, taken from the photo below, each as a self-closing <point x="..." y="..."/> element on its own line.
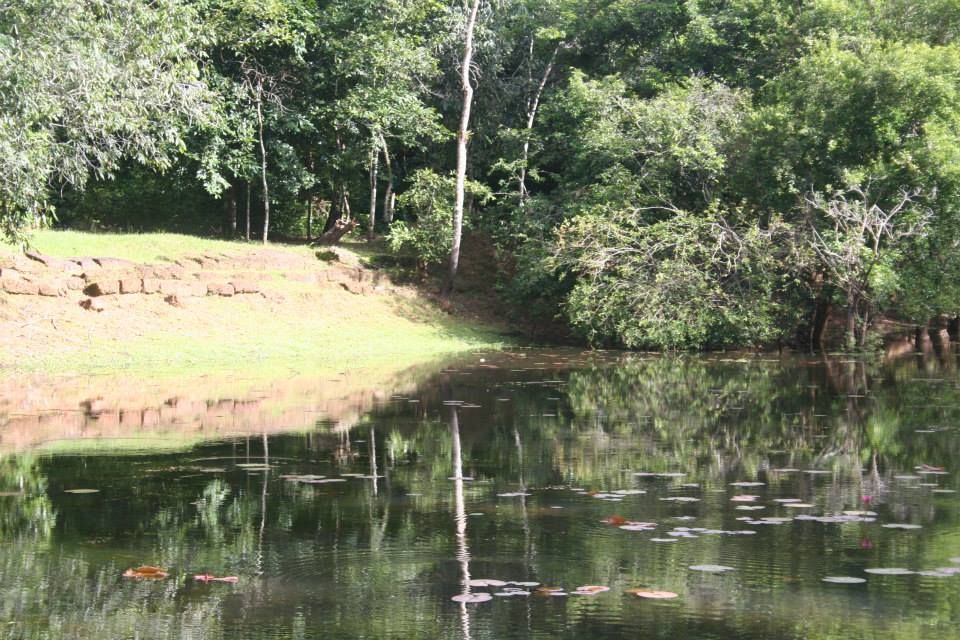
<point x="206" y="577"/>
<point x="145" y="571"/>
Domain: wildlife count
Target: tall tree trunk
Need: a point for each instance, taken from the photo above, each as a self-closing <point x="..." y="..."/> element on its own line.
<point x="230" y="206"/>
<point x="247" y="234"/>
<point x="374" y="164"/>
<point x="335" y="211"/>
<point x="309" y="217"/>
<point x="853" y="310"/>
<point x="263" y="163"/>
<point x="388" y="197"/>
<point x="821" y="316"/>
<point x="533" y="104"/>
<point x="462" y="138"/>
<point x="310" y="198"/>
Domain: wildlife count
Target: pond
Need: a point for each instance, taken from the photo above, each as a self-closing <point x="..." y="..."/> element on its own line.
<point x="534" y="494"/>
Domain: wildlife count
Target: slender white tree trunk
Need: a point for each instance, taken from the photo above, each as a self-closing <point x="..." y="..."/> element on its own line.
<point x="533" y="104"/>
<point x="462" y="138"/>
<point x="263" y="163"/>
<point x="374" y="165"/>
<point x="388" y="197"/>
<point x="247" y="234"/>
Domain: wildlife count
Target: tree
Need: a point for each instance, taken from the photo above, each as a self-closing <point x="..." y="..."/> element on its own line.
<point x="462" y="138"/>
<point x="856" y="240"/>
<point x="87" y="86"/>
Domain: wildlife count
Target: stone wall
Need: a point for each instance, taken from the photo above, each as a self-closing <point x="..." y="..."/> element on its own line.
<point x="208" y="274"/>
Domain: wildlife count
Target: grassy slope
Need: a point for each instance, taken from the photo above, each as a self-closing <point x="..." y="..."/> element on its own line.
<point x="139" y="247"/>
<point x="309" y="329"/>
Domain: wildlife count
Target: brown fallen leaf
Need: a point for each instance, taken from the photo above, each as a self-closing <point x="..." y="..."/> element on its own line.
<point x="145" y="571"/>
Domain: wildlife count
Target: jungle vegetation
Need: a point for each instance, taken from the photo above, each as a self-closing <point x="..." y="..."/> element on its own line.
<point x="675" y="174"/>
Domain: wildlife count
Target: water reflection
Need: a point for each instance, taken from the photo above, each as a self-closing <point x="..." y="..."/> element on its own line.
<point x="513" y="468"/>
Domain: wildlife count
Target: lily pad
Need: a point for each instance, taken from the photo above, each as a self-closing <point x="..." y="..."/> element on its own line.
<point x="145" y="571"/>
<point x="590" y="590"/>
<point x="472" y="598"/>
<point x="546" y="591"/>
<point x="487" y="583"/>
<point x="81" y="490"/>
<point x="744" y="498"/>
<point x="798" y="505"/>
<point x="710" y="568"/>
<point x="653" y="595"/>
<point x="889" y="571"/>
<point x="901" y="525"/>
<point x="747" y="484"/>
<point x="844" y="580"/>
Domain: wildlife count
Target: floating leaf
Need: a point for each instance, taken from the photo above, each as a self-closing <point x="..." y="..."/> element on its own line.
<point x="487" y="583"/>
<point x="472" y="598"/>
<point x="747" y="484"/>
<point x="615" y="520"/>
<point x="590" y="590"/>
<point x="146" y="571"/>
<point x="744" y="498"/>
<point x="945" y="572"/>
<point x="653" y="595"/>
<point x="710" y="568"/>
<point x="664" y="539"/>
<point x="511" y="592"/>
<point x="787" y="500"/>
<point x="546" y="591"/>
<point x="900" y="525"/>
<point x="513" y="494"/>
<point x="206" y="577"/>
<point x="890" y="571"/>
<point x="844" y="580"/>
<point x="798" y="505"/>
<point x="81" y="490"/>
<point x="746" y="507"/>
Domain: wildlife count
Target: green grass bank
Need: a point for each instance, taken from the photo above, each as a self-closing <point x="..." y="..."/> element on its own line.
<point x="291" y="324"/>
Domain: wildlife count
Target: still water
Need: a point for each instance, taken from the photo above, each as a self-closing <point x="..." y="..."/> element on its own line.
<point x="364" y="514"/>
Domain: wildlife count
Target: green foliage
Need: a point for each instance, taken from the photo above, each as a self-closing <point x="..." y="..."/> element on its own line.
<point x="649" y="120"/>
<point x="429" y="204"/>
<point x="684" y="282"/>
<point x="87" y="85"/>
